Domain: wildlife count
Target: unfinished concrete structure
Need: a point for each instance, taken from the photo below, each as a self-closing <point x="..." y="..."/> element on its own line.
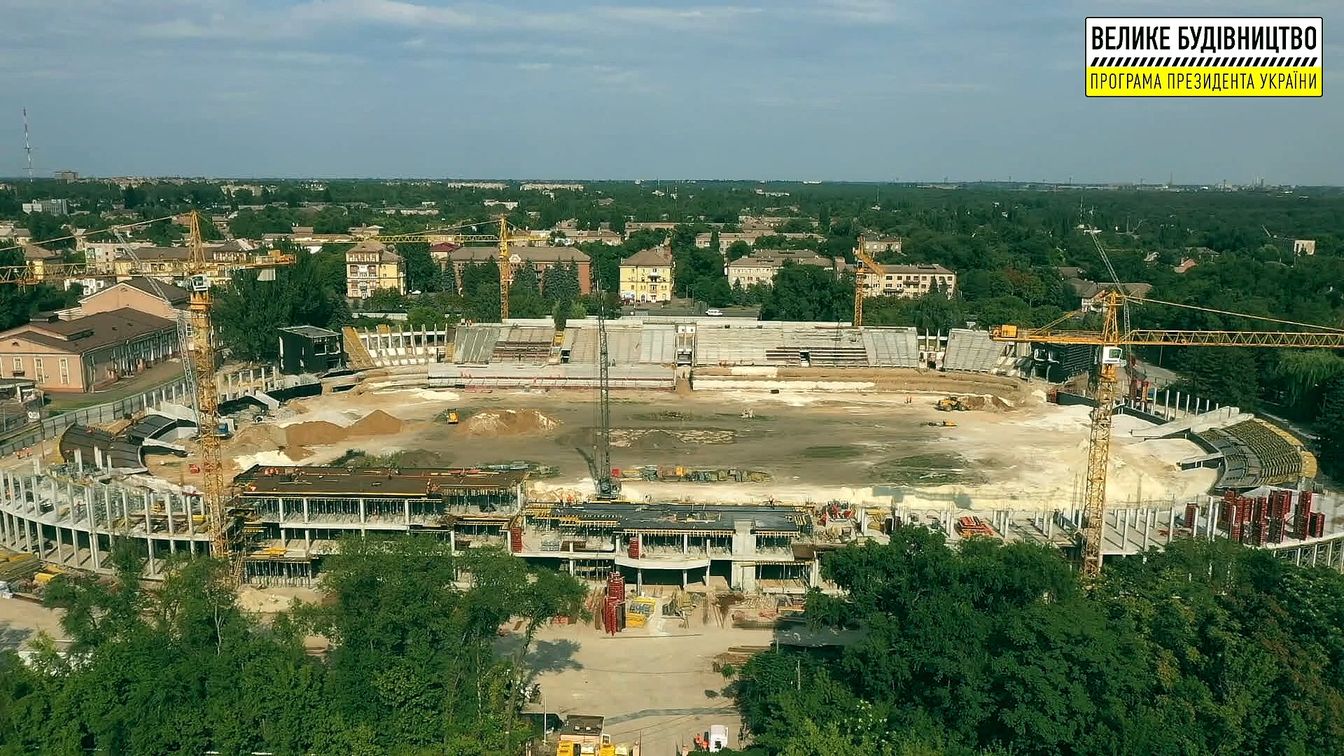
<point x="298" y="513"/>
<point x="751" y="547"/>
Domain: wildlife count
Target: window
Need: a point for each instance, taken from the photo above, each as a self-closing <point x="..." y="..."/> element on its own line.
<point x="65" y="372"/>
<point x="18" y="366"/>
<point x="38" y="371"/>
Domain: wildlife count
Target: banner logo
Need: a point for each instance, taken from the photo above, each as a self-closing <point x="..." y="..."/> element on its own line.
<point x="1203" y="57"/>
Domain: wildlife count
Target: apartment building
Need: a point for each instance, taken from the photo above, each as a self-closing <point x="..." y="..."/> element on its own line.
<point x="370" y="266"/>
<point x="646" y="276"/>
<point x="762" y="265"/>
<point x="908" y="281"/>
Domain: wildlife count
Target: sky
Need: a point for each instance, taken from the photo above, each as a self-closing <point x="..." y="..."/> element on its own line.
<point x="856" y="90"/>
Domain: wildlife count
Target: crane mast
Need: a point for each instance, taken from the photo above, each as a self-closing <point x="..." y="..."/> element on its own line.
<point x="1109" y="343"/>
<point x="866" y="264"/>
<point x="214" y="493"/>
<point x="607" y="486"/>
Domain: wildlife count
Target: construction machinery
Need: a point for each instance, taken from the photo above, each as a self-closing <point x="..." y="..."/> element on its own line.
<point x="198" y="270"/>
<point x="866" y="265"/>
<point x="951" y="404"/>
<point x="608" y="484"/>
<point x="1110" y="343"/>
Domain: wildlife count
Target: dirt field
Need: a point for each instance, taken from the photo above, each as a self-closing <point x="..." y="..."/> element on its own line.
<point x="815" y="444"/>
<point x="21" y="620"/>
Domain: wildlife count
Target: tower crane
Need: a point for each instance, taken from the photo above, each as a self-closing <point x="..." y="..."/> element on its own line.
<point x="866" y="264"/>
<point x="1110" y="342"/>
<point x="198" y="270"/>
<point x="503" y="238"/>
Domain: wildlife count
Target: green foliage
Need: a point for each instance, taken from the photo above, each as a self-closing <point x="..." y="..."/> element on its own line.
<point x="248" y="311"/>
<point x="47" y="230"/>
<point x="807" y="292"/>
<point x="180" y="669"/>
<point x="422" y="274"/>
<point x="1331" y="427"/>
<point x="1201" y="648"/>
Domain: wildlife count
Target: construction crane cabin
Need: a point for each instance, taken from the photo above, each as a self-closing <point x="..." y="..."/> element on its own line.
<point x="1110" y="343"/>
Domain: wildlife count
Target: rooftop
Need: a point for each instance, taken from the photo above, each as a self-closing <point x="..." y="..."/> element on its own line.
<point x="91" y="331"/>
<point x="406" y="483"/>
<point x="685" y="518"/>
<point x="174" y="294"/>
<point x="777" y="257"/>
<point x="653" y="257"/>
<point x="526" y="254"/>
<point x="920" y="269"/>
<point x="312" y="332"/>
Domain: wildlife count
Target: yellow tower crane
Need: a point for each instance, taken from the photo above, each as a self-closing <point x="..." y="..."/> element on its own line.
<point x="866" y="265"/>
<point x="453" y="235"/>
<point x="198" y="269"/>
<point x="1110" y="342"/>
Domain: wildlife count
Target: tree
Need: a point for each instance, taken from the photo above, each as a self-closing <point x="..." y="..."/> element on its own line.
<point x="422" y="274"/>
<point x="1330" y="426"/>
<point x="738" y="249"/>
<point x="560" y="314"/>
<point x="808" y="292"/>
<point x="448" y="278"/>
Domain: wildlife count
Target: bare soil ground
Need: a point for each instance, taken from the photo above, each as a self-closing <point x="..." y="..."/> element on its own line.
<point x="1019" y="453"/>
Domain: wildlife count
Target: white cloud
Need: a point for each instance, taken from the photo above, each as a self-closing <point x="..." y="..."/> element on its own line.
<point x="391" y="12"/>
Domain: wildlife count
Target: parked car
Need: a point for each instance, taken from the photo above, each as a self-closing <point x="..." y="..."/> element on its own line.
<point x="714" y="312"/>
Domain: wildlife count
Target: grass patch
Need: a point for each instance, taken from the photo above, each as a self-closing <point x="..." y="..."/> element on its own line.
<point x="924" y="470"/>
<point x="832" y="452"/>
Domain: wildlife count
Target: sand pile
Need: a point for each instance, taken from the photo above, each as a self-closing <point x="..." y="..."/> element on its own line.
<point x="509" y="423"/>
<point x="257" y="438"/>
<point x="376" y="423"/>
<point x="315" y="433"/>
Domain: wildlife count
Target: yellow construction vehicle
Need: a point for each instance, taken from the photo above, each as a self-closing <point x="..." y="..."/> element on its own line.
<point x="943" y="424"/>
<point x="951" y="404"/>
<point x="453" y="418"/>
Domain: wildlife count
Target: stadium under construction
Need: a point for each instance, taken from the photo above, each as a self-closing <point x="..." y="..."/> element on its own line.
<point x="767" y="536"/>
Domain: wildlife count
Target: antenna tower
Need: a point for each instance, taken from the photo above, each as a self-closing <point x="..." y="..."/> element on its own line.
<point x="27" y="145"/>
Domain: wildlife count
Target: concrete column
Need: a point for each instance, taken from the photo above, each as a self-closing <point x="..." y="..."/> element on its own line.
<point x="639" y="579"/>
<point x="685" y="546"/>
<point x="1147" y="526"/>
<point x="60" y="553"/>
<point x="305" y="509"/>
<point x="1171" y="523"/>
<point x="168" y="512"/>
<point x="307" y="541"/>
<point x="281" y="503"/>
<point x="149" y="540"/>
<point x="363" y="512"/>
<point x="452" y="543"/>
<point x="191" y="514"/>
<point x="408" y="512"/>
<point x="683" y="580"/>
<point x="93" y="528"/>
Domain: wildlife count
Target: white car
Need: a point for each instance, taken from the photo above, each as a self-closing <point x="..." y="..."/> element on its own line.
<point x="714" y="312"/>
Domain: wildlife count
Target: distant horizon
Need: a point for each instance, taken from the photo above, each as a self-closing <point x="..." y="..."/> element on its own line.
<point x="912" y="183"/>
<point x="861" y="91"/>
